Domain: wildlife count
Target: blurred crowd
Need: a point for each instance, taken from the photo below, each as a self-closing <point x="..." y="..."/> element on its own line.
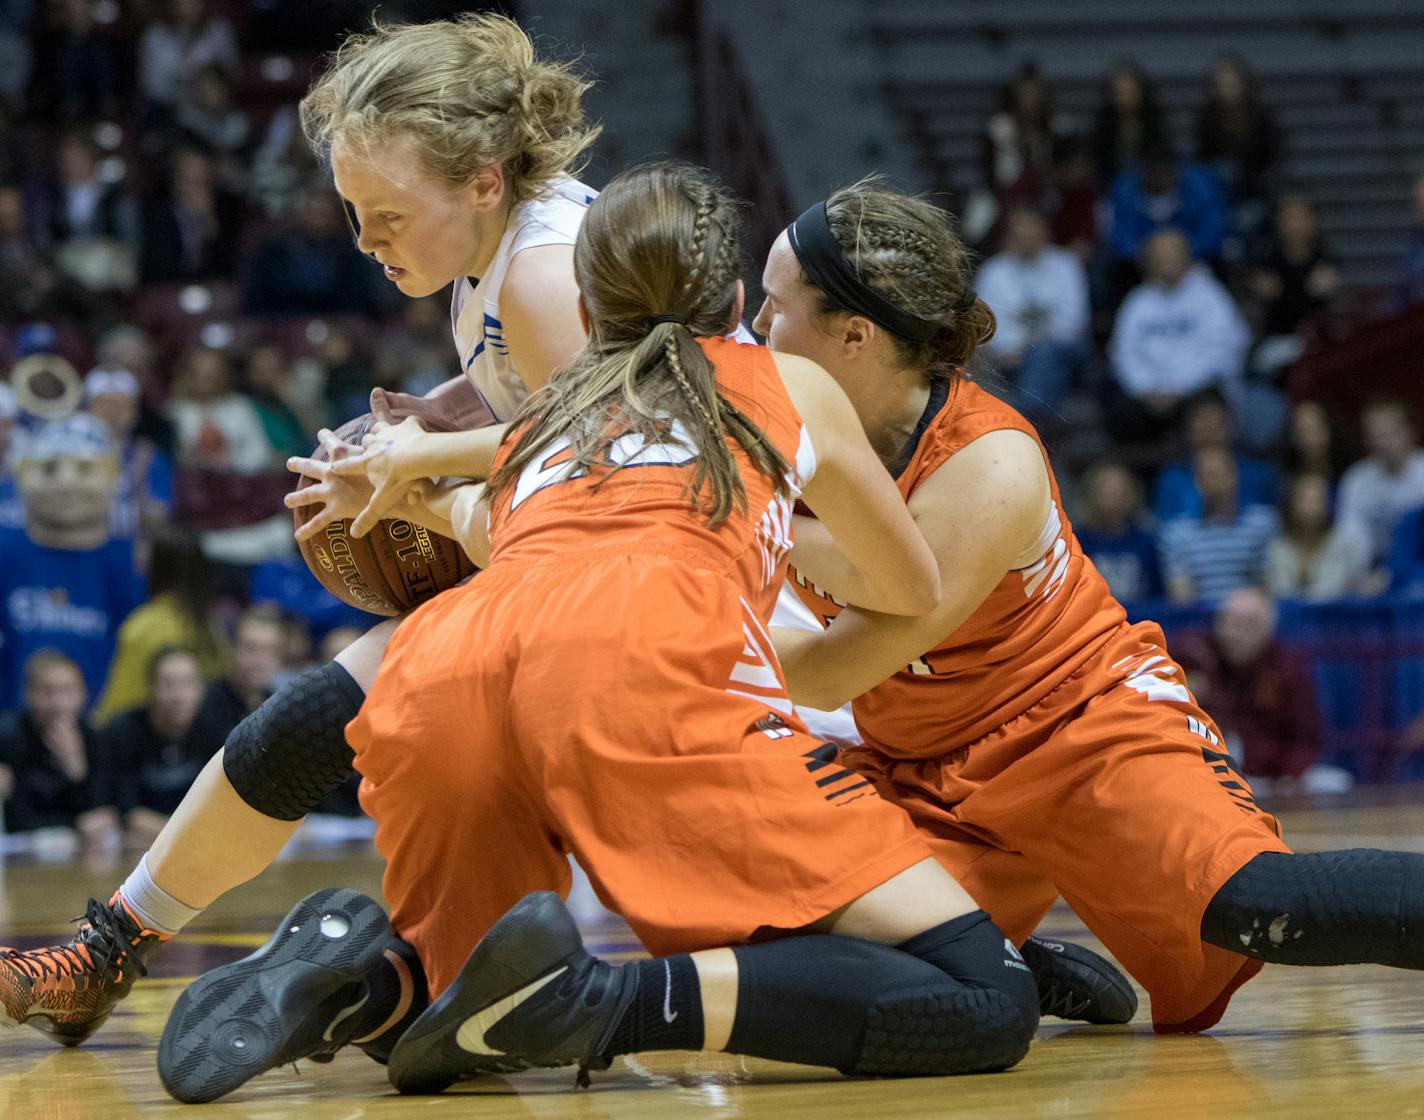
<point x="181" y="309"/>
<point x="1158" y="289"/>
<point x="1172" y="294"/>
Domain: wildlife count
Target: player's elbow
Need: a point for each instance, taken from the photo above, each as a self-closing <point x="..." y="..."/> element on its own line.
<point x="916" y="592"/>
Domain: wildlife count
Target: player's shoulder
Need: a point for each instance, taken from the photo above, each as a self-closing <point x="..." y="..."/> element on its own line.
<point x="980" y="432"/>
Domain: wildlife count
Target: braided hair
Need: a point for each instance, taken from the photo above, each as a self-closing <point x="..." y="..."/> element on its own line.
<point x="657" y="262"/>
<point x="908" y="250"/>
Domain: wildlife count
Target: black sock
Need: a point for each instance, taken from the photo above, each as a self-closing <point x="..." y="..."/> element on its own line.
<point x="398" y="979"/>
<point x="666" y="1012"/>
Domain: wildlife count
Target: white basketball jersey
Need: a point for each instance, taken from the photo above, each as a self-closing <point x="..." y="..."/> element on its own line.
<point x="551" y="219"/>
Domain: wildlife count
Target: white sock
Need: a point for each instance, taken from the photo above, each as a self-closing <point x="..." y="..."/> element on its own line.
<point x="154" y="907"/>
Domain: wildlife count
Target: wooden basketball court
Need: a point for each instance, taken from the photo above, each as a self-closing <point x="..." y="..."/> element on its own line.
<point x="1302" y="1043"/>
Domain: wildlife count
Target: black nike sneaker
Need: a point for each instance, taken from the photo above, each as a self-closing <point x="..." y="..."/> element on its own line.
<point x="530" y="995"/>
<point x="1076" y="983"/>
<point x="286" y="1001"/>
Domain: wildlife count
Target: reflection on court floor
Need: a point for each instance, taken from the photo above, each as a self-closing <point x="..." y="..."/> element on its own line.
<point x="1301" y="1043"/>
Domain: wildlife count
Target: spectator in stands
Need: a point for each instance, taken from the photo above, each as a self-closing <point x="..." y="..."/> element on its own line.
<point x="1206" y="558"/>
<point x="1073" y="210"/>
<point x="1409" y="286"/>
<point x="217" y="427"/>
<point x="30" y="285"/>
<point x="1238" y="140"/>
<point x="1311" y="557"/>
<point x="79" y="204"/>
<point x="416" y="354"/>
<point x="267" y="381"/>
<point x="1129" y="121"/>
<point x="1019" y="140"/>
<point x="284" y="165"/>
<point x="12" y="509"/>
<point x="208" y="119"/>
<point x="309" y="268"/>
<point x="1208" y="422"/>
<point x="1163" y="193"/>
<point x="191" y="224"/>
<point x="172" y="50"/>
<point x="347" y="379"/>
<point x="1039" y="294"/>
<point x="1290" y="281"/>
<point x="1314" y="445"/>
<point x="150" y="747"/>
<point x="64" y="584"/>
<point x="145" y="493"/>
<point x="1177" y="333"/>
<point x="52" y="772"/>
<point x="258" y="657"/>
<point x="127" y="346"/>
<point x="16" y="64"/>
<point x="1405" y="562"/>
<point x="1261" y="695"/>
<point x="1377" y="491"/>
<point x="80" y="64"/>
<point x="1113" y="536"/>
<point x="179" y="612"/>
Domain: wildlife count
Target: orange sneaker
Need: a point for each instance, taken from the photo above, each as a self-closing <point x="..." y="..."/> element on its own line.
<point x="67" y="991"/>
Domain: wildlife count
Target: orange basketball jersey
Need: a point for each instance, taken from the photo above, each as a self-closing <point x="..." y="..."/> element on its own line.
<point x="1037" y="626"/>
<point x="645" y="504"/>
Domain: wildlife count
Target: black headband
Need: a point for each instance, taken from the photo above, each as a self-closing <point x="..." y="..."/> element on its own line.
<point x="820" y="255"/>
<point x="680" y="320"/>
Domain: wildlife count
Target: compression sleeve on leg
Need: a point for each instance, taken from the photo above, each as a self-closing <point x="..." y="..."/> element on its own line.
<point x="955" y="999"/>
<point x="1357" y="906"/>
<point x="291" y="752"/>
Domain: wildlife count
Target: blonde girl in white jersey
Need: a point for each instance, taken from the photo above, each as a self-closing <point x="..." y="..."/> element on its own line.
<point x="451" y="144"/>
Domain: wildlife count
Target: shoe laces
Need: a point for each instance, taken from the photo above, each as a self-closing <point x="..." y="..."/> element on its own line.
<point x="112" y="939"/>
<point x="1061" y="1004"/>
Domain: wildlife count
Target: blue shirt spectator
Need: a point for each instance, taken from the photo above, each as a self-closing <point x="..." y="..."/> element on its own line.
<point x="1114" y="538"/>
<point x="1163" y="194"/>
<point x="1176" y="494"/>
<point x="1206" y="558"/>
<point x="70" y="600"/>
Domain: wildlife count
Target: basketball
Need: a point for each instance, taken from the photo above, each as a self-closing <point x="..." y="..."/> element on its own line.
<point x="392" y="569"/>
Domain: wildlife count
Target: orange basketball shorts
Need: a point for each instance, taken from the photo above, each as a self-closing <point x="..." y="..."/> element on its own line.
<point x="1114" y="792"/>
<point x="626" y="709"/>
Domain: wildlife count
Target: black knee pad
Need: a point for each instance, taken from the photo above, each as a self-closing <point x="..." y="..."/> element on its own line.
<point x="291" y="752"/>
<point x="1358" y="906"/>
<point x="980" y="1018"/>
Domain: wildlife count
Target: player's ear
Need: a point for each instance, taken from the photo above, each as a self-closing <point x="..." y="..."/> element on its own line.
<point x="739" y="305"/>
<point x="856" y="335"/>
<point x="486" y="187"/>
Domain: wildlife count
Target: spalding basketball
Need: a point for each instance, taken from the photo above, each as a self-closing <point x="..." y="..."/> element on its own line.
<point x="393" y="568"/>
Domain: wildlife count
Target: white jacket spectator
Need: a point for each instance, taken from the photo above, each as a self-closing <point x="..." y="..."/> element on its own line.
<point x="1037" y="291"/>
<point x="1388" y="482"/>
<point x="1310" y="558"/>
<point x="172" y="51"/>
<point x="216" y="428"/>
<point x="1179" y="332"/>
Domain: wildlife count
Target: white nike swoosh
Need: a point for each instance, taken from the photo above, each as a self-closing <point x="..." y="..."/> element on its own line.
<point x="471" y="1035"/>
<point x="668" y="1013"/>
<point x="345" y="1013"/>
